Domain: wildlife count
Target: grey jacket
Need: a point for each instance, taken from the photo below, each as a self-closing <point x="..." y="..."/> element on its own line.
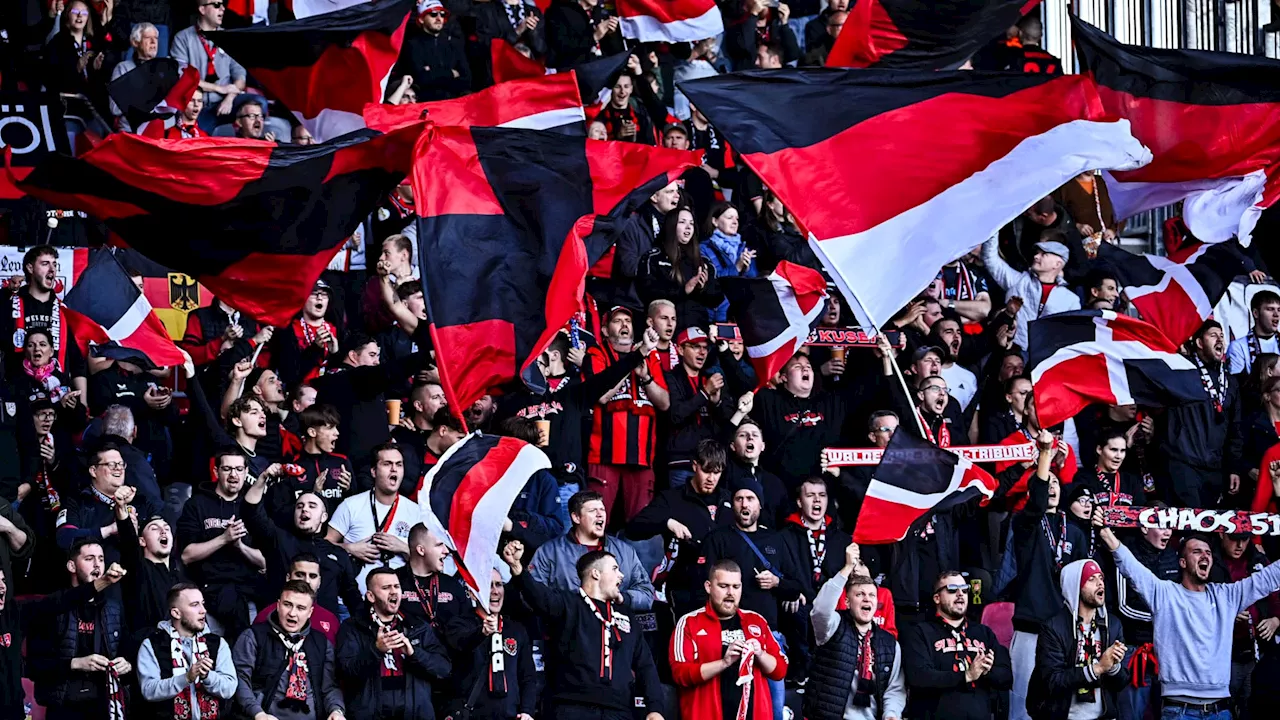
<point x="164" y="684"/>
<point x="1026" y="286"/>
<point x="187" y="49"/>
<point x="1193" y="630"/>
<point x="555" y="565"/>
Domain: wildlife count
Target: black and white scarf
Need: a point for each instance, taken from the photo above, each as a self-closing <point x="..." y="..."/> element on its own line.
<point x="1216" y="392"/>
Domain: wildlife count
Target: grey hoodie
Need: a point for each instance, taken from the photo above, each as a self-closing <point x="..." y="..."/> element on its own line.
<point x="165" y="683"/>
<point x="1193" y="630"/>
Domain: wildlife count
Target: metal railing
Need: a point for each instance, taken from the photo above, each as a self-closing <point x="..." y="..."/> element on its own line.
<point x="1239" y="26"/>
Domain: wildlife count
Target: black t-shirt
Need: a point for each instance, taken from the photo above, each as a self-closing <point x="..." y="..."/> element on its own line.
<point x="730" y="690"/>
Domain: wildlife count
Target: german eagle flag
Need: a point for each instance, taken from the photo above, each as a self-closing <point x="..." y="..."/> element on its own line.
<point x="1211" y="119"/>
<point x="254" y="222"/>
<point x="509" y="221"/>
<point x="921" y="34"/>
<point x="326" y="67"/>
<point x="944" y="160"/>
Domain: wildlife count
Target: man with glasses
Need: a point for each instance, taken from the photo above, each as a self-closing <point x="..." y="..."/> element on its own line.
<point x="222" y="78"/>
<point x="91" y="513"/>
<point x="251" y="118"/>
<point x="953" y="666"/>
<point x="215" y="543"/>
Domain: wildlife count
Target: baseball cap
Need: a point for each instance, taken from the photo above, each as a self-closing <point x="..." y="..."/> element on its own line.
<point x="922" y="351"/>
<point x="322" y="286"/>
<point x="675" y="126"/>
<point x="425" y="5"/>
<point x="620" y="309"/>
<point x="1055" y="248"/>
<point x="691" y="334"/>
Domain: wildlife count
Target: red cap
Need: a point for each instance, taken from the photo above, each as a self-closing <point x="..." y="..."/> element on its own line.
<point x="691" y="334"/>
<point x="1090" y="569"/>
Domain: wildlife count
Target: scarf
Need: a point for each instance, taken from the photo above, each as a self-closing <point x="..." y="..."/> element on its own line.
<point x="746" y="676"/>
<point x="607" y="623"/>
<point x="1255" y="347"/>
<point x="1057" y="545"/>
<point x="612" y="118"/>
<point x="497" y="663"/>
<point x="392" y="662"/>
<point x="1218" y="391"/>
<point x="207" y="703"/>
<point x="18" y="307"/>
<point x="960" y="637"/>
<point x="1088" y="650"/>
<point x="52" y="499"/>
<point x="515" y="13"/>
<point x="427" y="598"/>
<point x="298" y="689"/>
<point x="727" y="249"/>
<point x="306" y="335"/>
<point x="115" y="695"/>
<point x="866" y="676"/>
<point x="943" y="438"/>
<point x="817" y="549"/>
<point x="210" y="51"/>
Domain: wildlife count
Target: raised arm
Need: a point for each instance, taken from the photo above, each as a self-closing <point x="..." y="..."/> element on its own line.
<point x="1001" y="271"/>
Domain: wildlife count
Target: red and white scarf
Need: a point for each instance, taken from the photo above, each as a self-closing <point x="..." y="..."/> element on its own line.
<point x="195" y="692"/>
<point x="608" y="627"/>
<point x="298" y="687"/>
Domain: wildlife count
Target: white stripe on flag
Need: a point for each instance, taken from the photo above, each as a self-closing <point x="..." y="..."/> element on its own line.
<point x="1182" y="274"/>
<point x="881" y="269"/>
<point x="650" y="29"/>
<point x="548" y="119"/>
<point x="428" y="513"/>
<point x="331" y="123"/>
<point x="921" y="501"/>
<point x="797" y="321"/>
<point x="132" y="319"/>
<point x="491" y="512"/>
<point x="1215" y="209"/>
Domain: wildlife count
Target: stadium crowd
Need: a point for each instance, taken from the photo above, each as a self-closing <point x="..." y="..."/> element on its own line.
<point x="255" y="546"/>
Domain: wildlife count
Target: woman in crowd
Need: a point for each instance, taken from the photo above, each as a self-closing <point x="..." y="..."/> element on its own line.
<point x="675" y="270"/>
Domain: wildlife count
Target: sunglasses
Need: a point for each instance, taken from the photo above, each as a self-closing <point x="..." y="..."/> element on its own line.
<point x="884" y="428"/>
<point x="436" y="13"/>
<point x="954" y="588"/>
<point x="215" y="5"/>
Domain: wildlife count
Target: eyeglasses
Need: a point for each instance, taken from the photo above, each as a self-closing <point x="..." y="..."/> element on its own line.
<point x="935" y="388"/>
<point x="232" y="469"/>
<point x="113" y="465"/>
<point x="249" y="116"/>
<point x="79" y="13"/>
<point x="954" y="588"/>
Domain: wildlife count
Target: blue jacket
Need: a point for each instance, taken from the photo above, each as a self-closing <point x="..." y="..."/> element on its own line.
<point x="555" y="565"/>
<point x="723" y="251"/>
<point x="85" y="514"/>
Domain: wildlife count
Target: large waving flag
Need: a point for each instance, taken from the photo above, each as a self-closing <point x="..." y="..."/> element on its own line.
<point x="152" y="94"/>
<point x="252" y="221"/>
<point x="1176" y="297"/>
<point x="469" y="495"/>
<point x="669" y="20"/>
<point x="549" y="102"/>
<point x="916" y="478"/>
<point x="508" y="63"/>
<point x="878" y="224"/>
<point x="776" y="313"/>
<point x="921" y="34"/>
<point x="509" y="221"/>
<point x="110" y="317"/>
<point x="1211" y="120"/>
<point x="326" y="67"/>
<point x="1084" y="357"/>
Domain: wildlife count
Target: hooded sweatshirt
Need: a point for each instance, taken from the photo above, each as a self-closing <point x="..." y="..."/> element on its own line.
<point x="1193" y="630"/>
<point x="160" y="684"/>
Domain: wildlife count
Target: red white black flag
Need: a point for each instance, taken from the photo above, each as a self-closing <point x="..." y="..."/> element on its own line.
<point x="916" y="478"/>
<point x="776" y="313"/>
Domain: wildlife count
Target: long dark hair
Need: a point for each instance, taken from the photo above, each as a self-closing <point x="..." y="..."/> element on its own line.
<point x="679" y="254"/>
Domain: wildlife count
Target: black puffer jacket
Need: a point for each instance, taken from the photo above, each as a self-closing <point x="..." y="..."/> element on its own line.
<point x="360" y="666"/>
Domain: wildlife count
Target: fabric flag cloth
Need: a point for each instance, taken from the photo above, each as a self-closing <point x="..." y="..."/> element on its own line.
<point x="254" y="222"/>
<point x="917" y="198"/>
<point x="916" y="478"/>
<point x="111" y="318"/>
<point x="921" y="34"/>
<point x="508" y="63"/>
<point x="1096" y="356"/>
<point x="152" y="94"/>
<point x="306" y="8"/>
<point x="1211" y="119"/>
<point x="44" y="133"/>
<point x="470" y="492"/>
<point x="511" y="219"/>
<point x="669" y="20"/>
<point x="550" y="102"/>
<point x="324" y="68"/>
<point x="1176" y="297"/>
<point x="776" y="313"/>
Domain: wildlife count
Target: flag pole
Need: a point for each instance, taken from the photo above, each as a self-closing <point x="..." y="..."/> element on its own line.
<point x="893" y="360"/>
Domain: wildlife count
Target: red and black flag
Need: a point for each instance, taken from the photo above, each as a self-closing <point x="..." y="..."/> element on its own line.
<point x="111" y="318"/>
<point x="776" y="313"/>
<point x="153" y="93"/>
<point x="1176" y="297"/>
<point x="549" y="102"/>
<point x="916" y="478"/>
<point x="1080" y="358"/>
<point x="508" y="63"/>
<point x="467" y="496"/>
<point x="252" y="221"/>
<point x="31" y="129"/>
<point x="921" y="34"/>
<point x="669" y="20"/>
<point x="1211" y="120"/>
<point x="509" y="221"/>
<point x="324" y="68"/>
<point x="1011" y="139"/>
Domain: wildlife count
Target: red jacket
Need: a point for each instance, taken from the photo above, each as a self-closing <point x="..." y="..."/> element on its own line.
<point x="697" y="641"/>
